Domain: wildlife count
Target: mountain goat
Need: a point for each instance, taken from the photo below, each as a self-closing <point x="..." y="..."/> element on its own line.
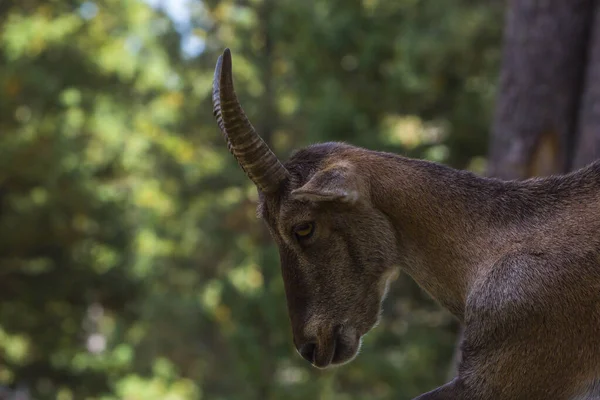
<point x="518" y="262"/>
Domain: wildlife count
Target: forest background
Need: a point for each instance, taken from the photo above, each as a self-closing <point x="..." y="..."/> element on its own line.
<point x="132" y="265"/>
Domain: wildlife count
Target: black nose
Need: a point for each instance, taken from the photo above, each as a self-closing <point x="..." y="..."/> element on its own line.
<point x="307" y="350"/>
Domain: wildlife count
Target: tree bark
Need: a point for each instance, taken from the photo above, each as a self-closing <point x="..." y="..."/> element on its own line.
<point x="542" y="74"/>
<point x="588" y="128"/>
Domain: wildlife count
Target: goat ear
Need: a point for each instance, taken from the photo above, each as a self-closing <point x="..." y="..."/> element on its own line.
<point x="335" y="183"/>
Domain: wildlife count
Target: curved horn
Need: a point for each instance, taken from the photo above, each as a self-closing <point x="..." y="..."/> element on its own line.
<point x="252" y="153"/>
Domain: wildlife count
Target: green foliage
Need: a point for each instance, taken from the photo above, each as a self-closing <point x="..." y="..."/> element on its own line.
<point x="131" y="262"/>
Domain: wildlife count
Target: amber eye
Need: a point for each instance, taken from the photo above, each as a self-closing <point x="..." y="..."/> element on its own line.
<point x="304" y="230"/>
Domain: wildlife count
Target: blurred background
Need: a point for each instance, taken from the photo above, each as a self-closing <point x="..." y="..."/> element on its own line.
<point x="132" y="265"/>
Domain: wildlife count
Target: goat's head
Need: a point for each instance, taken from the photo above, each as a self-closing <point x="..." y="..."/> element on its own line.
<point x="337" y="250"/>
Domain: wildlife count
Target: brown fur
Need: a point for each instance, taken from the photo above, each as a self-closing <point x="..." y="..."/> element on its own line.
<point x="517" y="262"/>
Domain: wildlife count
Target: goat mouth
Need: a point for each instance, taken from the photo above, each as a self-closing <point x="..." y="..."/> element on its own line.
<point x="346" y="350"/>
<point x="324" y="354"/>
<point x="341" y="350"/>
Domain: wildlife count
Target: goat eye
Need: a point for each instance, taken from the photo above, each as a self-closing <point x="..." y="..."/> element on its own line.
<point x="305" y="230"/>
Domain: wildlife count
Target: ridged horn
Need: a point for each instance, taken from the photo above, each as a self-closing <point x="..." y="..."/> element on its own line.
<point x="254" y="156"/>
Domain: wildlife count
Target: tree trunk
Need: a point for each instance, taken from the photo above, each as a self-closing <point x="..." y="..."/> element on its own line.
<point x="588" y="128"/>
<point x="540" y="89"/>
<point x="547" y="116"/>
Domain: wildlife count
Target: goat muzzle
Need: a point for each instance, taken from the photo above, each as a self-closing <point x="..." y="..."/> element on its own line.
<point x="254" y="156"/>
